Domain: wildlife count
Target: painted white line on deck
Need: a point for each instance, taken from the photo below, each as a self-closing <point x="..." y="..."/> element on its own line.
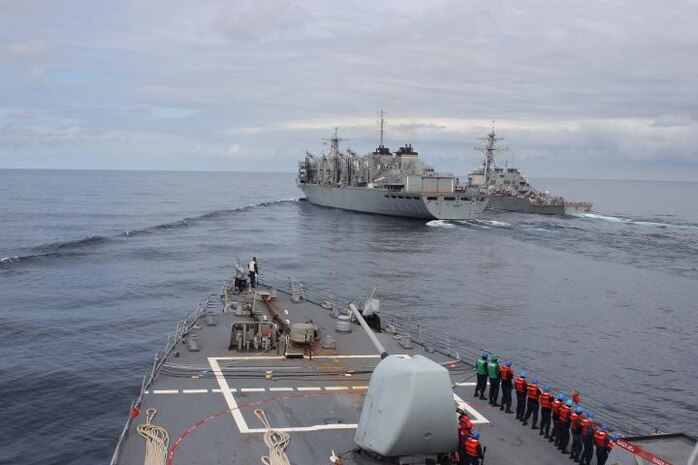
<point x="336" y="388"/>
<point x="466" y="384"/>
<point x="252" y="389"/>
<point x="359" y="387"/>
<point x="478" y="418"/>
<point x="194" y="391"/>
<point x="280" y="389"/>
<point x="228" y="396"/>
<point x="165" y="391"/>
<point x="309" y="388"/>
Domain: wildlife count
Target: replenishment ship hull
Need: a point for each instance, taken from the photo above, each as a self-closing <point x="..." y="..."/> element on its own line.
<point x="449" y="206"/>
<point x="284" y="372"/>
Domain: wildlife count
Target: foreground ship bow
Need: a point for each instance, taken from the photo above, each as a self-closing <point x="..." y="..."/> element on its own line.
<point x="277" y="375"/>
<point x="384" y="183"/>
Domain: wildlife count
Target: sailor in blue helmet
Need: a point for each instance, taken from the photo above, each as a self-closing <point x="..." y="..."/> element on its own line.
<point x="576" y="429"/>
<point x="506" y="374"/>
<point x="546" y="405"/>
<point x="588" y="430"/>
<point x="557" y="405"/>
<point x="481" y="370"/>
<point x="473" y="449"/>
<point x="521" y="386"/>
<point x="493" y="375"/>
<point x="565" y="420"/>
<point x="533" y="393"/>
<point x="602" y="442"/>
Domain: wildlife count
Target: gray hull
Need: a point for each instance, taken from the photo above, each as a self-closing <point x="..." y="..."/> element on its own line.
<point x="384" y="202"/>
<point x="513" y="204"/>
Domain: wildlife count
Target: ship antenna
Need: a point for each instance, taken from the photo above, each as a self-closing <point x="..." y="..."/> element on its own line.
<point x="489" y="150"/>
<point x="382" y="113"/>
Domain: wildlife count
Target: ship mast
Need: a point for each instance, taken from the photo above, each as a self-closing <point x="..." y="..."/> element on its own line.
<point x="382" y="124"/>
<point x="489" y="150"/>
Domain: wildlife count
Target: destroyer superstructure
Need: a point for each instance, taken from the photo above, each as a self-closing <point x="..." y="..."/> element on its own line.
<point x="509" y="190"/>
<point x="386" y="183"/>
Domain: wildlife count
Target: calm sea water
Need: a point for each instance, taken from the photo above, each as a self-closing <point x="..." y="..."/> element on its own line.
<point x="98" y="267"/>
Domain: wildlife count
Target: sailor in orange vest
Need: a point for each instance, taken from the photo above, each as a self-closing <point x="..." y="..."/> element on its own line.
<point x="603" y="444"/>
<point x="557" y="404"/>
<point x="546" y="404"/>
<point x="507" y="376"/>
<point x="588" y="430"/>
<point x="473" y="449"/>
<point x="465" y="427"/>
<point x="520" y="386"/>
<point x="564" y="431"/>
<point x="533" y="396"/>
<point x="576" y="429"/>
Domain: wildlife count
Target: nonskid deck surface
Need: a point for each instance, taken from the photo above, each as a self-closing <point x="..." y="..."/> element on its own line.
<point x="207" y="399"/>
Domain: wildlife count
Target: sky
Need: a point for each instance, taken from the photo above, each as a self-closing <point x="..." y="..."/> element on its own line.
<point x="576" y="89"/>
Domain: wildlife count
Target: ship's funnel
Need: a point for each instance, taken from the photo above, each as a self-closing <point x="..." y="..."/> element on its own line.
<point x="408" y="409"/>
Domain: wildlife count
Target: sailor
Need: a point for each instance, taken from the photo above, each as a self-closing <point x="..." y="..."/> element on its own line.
<point x="481" y="369"/>
<point x="603" y="444"/>
<point x="588" y="430"/>
<point x="493" y="375"/>
<point x="465" y="428"/>
<point x="506" y="374"/>
<point x="557" y="405"/>
<point x="520" y="386"/>
<point x="533" y="395"/>
<point x="576" y="429"/>
<point x="564" y="422"/>
<point x="473" y="449"/>
<point x="546" y="404"/>
<point x="253" y="271"/>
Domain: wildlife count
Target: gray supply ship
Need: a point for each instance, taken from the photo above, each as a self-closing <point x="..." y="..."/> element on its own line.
<point x="384" y="183"/>
<point x="281" y="375"/>
<point x="509" y="190"/>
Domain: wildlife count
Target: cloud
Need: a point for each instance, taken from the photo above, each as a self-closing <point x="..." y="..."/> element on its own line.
<point x="36" y="75"/>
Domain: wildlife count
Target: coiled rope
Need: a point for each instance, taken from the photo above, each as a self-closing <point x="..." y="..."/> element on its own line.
<point x="156" y="438"/>
<point x="275" y="440"/>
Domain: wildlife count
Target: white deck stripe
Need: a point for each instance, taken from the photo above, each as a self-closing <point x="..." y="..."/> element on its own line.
<point x="280" y="389"/>
<point x="194" y="391"/>
<point x="336" y="388"/>
<point x="165" y="391"/>
<point x="309" y="388"/>
<point x="229" y="399"/>
<point x="252" y="389"/>
<point x="478" y="418"/>
<point x="466" y="384"/>
<point x="359" y="387"/>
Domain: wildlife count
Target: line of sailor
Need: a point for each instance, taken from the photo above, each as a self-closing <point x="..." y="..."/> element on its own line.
<point x="568" y="417"/>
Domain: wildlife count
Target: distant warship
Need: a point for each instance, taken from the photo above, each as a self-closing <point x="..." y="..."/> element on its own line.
<point x="396" y="184"/>
<point x="509" y="190"/>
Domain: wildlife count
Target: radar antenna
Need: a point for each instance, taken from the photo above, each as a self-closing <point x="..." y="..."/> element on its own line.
<point x="334" y="143"/>
<point x="489" y="149"/>
<point x="382" y="114"/>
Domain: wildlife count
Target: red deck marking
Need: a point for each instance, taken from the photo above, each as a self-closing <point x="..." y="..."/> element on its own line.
<point x="173" y="450"/>
<point x="640" y="452"/>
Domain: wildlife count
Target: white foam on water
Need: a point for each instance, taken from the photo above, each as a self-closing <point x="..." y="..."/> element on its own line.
<point x="495" y="223"/>
<point x="623" y="220"/>
<point x="440" y="224"/>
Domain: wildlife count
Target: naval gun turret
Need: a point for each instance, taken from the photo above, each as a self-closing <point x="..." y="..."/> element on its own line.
<point x="408" y="415"/>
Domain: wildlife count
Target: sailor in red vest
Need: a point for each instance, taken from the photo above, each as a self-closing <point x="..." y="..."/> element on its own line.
<point x="533" y="396"/>
<point x="507" y="376"/>
<point x="465" y="427"/>
<point x="576" y="429"/>
<point x="564" y="432"/>
<point x="473" y="449"/>
<point x="603" y="444"/>
<point x="588" y="430"/>
<point x="546" y="405"/>
<point x="557" y="404"/>
<point x="521" y="386"/>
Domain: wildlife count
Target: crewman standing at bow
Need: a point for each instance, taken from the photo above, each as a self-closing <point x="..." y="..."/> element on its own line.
<point x="565" y="415"/>
<point x="576" y="429"/>
<point x="493" y="375"/>
<point x="533" y="395"/>
<point x="557" y="405"/>
<point x="481" y="370"/>
<point x="546" y="404"/>
<point x="603" y="444"/>
<point x="520" y="385"/>
<point x="473" y="449"/>
<point x="253" y="271"/>
<point x="506" y="375"/>
<point x="588" y="430"/>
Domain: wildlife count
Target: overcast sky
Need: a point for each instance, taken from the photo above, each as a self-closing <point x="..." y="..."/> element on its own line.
<point x="577" y="88"/>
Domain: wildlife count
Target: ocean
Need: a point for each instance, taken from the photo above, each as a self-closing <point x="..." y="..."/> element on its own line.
<point x="97" y="268"/>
